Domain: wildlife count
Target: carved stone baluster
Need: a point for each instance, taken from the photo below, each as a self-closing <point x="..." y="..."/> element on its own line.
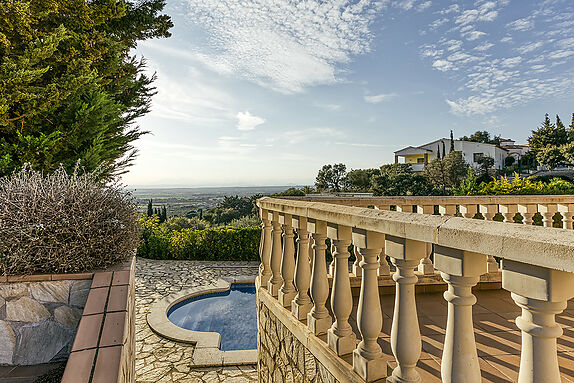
<point x="566" y="210"/>
<point x="318" y="319"/>
<point x="405" y="333"/>
<point x="368" y="359"/>
<point x="357" y="270"/>
<point x="461" y="270"/>
<point x="287" y="291"/>
<point x="547" y="210"/>
<point x="276" y="254"/>
<point x="301" y="305"/>
<point x="527" y="211"/>
<point x="447" y="210"/>
<point x="384" y="268"/>
<point x="425" y="266"/>
<point x="265" y="249"/>
<point x="340" y="336"/>
<point x="508" y="211"/>
<point x="489" y="211"/>
<point x="468" y="211"/>
<point x="332" y="264"/>
<point x="541" y="293"/>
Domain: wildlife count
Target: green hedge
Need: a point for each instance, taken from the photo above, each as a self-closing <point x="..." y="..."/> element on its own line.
<point x="212" y="244"/>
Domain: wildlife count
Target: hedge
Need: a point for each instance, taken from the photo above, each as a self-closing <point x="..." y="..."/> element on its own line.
<point x="212" y="244"/>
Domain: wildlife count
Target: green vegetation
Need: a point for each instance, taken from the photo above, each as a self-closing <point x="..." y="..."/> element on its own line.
<point x="63" y="223"/>
<point x="69" y="88"/>
<point x="520" y="186"/>
<point x="552" y="144"/>
<point x="209" y="244"/>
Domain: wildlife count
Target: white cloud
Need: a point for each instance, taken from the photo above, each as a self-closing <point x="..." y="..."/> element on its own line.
<point x="511" y="62"/>
<point x="483" y="47"/>
<point x="286" y="46"/>
<point x="422" y="6"/>
<point x="521" y="24"/>
<point x="246" y="121"/>
<point x="453" y="8"/>
<point x="527" y="48"/>
<point x="474" y="35"/>
<point x="442" y="65"/>
<point x="375" y="99"/>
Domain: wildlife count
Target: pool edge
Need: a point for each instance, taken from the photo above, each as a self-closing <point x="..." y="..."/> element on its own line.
<point x="207" y="352"/>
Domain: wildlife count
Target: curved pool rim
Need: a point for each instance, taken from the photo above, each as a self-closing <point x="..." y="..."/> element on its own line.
<point x="207" y="351"/>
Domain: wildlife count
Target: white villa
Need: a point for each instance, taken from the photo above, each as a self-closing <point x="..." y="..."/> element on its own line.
<point x="471" y="151"/>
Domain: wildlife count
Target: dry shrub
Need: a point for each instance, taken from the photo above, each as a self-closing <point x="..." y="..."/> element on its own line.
<point x="62" y="223"/>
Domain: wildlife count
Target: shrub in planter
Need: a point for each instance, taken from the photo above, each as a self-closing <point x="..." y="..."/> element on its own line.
<point x="62" y="223"/>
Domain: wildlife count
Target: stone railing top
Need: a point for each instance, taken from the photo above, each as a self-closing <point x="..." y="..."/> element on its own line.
<point x="439" y="200"/>
<point x="540" y="246"/>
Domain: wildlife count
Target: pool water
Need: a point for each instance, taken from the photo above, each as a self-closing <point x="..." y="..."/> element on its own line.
<point x="231" y="313"/>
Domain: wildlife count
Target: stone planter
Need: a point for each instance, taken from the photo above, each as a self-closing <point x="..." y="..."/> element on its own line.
<point x="39" y="316"/>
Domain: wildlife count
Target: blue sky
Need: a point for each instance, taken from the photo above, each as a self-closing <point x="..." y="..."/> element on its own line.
<point x="264" y="92"/>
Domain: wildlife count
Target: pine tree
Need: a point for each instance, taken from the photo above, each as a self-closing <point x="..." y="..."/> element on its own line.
<point x="69" y="87"/>
<point x="451" y="142"/>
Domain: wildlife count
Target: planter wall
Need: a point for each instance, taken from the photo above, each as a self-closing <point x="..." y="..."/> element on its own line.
<point x="39" y="316"/>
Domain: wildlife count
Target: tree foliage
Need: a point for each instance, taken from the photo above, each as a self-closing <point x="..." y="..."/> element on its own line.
<point x="447" y="172"/>
<point x="482" y="136"/>
<point x="359" y="180"/>
<point x="399" y="179"/>
<point x="331" y="177"/>
<point x="549" y="144"/>
<point x="69" y="87"/>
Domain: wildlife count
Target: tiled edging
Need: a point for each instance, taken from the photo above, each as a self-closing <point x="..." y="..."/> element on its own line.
<point x="207" y="352"/>
<point x="104" y="347"/>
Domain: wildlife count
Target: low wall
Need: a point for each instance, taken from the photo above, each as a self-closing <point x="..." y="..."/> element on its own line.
<point x="104" y="347"/>
<point x="40" y="313"/>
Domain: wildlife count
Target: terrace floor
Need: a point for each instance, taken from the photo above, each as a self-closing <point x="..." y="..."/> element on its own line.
<point x="497" y="337"/>
<point x="159" y="360"/>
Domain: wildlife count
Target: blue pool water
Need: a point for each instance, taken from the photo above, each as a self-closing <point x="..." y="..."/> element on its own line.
<point x="230" y="313"/>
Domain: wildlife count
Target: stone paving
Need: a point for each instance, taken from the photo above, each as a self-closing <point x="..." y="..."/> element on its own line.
<point x="160" y="360"/>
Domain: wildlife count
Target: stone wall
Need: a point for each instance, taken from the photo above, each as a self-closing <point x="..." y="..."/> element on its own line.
<point x="282" y="357"/>
<point x="40" y="316"/>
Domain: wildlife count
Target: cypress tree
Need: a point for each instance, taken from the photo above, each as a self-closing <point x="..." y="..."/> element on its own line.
<point x="451" y="142"/>
<point x="443" y="149"/>
<point x="70" y="89"/>
<point x="150" y="208"/>
<point x="571" y="130"/>
<point x="438" y="151"/>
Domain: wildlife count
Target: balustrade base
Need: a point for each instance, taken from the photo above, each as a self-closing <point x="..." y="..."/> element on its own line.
<point x="369" y="369"/>
<point x="394" y="378"/>
<point x="341" y="345"/>
<point x="286" y="298"/>
<point x="318" y="326"/>
<point x="426" y="268"/>
<point x="273" y="288"/>
<point x="300" y="311"/>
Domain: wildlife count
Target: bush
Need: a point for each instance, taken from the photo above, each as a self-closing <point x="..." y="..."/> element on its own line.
<point x="212" y="244"/>
<point x="518" y="186"/>
<point x="248" y="221"/>
<point x="62" y="223"/>
<point x="179" y="223"/>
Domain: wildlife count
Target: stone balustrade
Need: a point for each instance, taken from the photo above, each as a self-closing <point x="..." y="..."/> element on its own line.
<point x="537" y="266"/>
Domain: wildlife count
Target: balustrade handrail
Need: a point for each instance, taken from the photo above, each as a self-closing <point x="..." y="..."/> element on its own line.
<point x="534" y="245"/>
<point x="440" y="200"/>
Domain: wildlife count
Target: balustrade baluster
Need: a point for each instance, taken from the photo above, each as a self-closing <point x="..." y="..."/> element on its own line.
<point x="357" y="270"/>
<point x="340" y="336"/>
<point x="541" y="293"/>
<point x="468" y="211"/>
<point x="489" y="211"/>
<point x="301" y="305"/>
<point x="368" y="359"/>
<point x="461" y="270"/>
<point x="318" y="319"/>
<point x="405" y="333"/>
<point x="566" y="210"/>
<point x="276" y="254"/>
<point x="384" y="268"/>
<point x="425" y="266"/>
<point x="287" y="291"/>
<point x="265" y="249"/>
<point x="332" y="264"/>
<point x="527" y="211"/>
<point x="547" y="210"/>
<point x="508" y="211"/>
<point x="447" y="210"/>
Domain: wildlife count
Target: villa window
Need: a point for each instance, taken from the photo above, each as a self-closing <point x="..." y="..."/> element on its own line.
<point x="477" y="156"/>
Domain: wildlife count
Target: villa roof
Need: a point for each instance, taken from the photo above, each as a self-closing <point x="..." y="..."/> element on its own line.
<point x="412" y="150"/>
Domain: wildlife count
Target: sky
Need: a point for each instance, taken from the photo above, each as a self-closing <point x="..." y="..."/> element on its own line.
<point x="265" y="92"/>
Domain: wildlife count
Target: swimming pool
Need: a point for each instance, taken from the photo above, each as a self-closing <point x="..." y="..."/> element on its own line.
<point x="231" y="313"/>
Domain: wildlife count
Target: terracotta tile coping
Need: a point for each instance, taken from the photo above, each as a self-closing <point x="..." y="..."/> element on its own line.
<point x="102" y="338"/>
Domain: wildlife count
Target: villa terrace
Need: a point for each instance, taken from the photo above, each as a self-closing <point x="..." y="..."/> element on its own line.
<point x="504" y="315"/>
